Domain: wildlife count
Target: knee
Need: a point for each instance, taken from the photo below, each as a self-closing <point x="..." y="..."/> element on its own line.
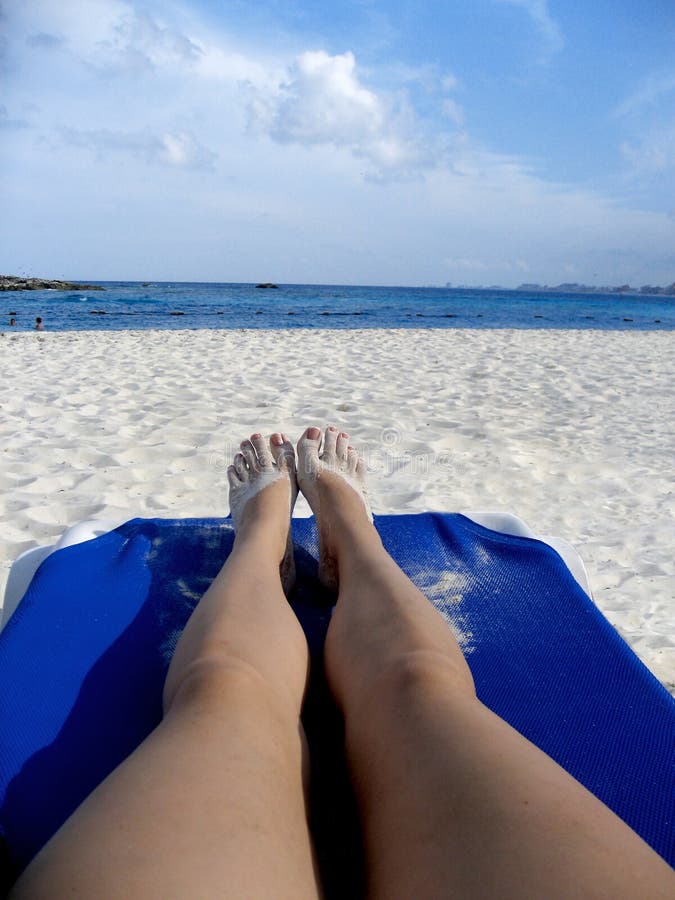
<point x="414" y="680"/>
<point x="213" y="683"/>
<point x="429" y="672"/>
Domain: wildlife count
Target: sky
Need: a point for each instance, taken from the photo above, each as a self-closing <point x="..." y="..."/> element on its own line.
<point x="471" y="142"/>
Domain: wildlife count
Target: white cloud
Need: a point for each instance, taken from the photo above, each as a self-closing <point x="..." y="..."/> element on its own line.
<point x="647" y="116"/>
<point x="543" y="21"/>
<point x="321" y="101"/>
<point x="649" y="94"/>
<point x="222" y="63"/>
<point x="113" y="38"/>
<point x="184" y="152"/>
<point x="452" y="110"/>
<point x="138" y="43"/>
<point x="109" y="36"/>
<point x="180" y="150"/>
<point x="653" y="153"/>
<point x="78" y="25"/>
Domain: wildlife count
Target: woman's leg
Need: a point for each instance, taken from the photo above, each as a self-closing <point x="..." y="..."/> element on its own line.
<point x="453" y="801"/>
<point x="212" y="804"/>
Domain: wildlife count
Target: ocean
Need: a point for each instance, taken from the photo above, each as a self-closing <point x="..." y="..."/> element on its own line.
<point x="180" y="305"/>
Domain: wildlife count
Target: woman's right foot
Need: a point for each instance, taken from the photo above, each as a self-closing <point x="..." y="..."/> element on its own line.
<point x="333" y="482"/>
<point x="263" y="488"/>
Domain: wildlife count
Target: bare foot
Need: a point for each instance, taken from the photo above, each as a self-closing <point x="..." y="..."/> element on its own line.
<point x="263" y="490"/>
<point x="333" y="481"/>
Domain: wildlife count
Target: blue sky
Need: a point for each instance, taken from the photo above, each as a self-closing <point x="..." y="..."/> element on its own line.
<point x="362" y="142"/>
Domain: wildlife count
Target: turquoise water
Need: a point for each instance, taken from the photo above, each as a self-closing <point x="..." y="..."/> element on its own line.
<point x="136" y="305"/>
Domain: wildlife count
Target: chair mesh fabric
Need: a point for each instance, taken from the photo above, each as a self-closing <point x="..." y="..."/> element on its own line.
<point x="83" y="662"/>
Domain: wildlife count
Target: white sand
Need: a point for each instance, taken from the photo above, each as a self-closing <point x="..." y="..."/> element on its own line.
<point x="572" y="431"/>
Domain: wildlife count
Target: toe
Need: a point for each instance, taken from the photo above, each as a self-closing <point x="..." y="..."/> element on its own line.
<point x="329" y="444"/>
<point x="282" y="452"/>
<point x="341" y="446"/>
<point x="308" y="451"/>
<point x="240" y="467"/>
<point x="312" y="436"/>
<point x="352" y="460"/>
<point x="232" y="477"/>
<point x="262" y="450"/>
<point x="251" y="457"/>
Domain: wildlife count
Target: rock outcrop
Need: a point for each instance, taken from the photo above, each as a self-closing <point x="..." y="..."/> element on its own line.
<point x="20" y="283"/>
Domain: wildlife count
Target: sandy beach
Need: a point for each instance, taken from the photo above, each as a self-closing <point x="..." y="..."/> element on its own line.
<point x="572" y="431"/>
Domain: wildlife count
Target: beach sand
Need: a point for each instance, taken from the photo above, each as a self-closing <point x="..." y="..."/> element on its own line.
<point x="572" y="431"/>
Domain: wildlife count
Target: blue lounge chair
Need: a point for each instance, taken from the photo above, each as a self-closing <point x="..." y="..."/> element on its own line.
<point x="84" y="655"/>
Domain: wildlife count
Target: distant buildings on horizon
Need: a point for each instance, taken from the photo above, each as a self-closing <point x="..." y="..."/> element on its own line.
<point x="572" y="287"/>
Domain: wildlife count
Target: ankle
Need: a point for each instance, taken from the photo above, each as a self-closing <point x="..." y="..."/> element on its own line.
<point x="266" y="539"/>
<point x="358" y="553"/>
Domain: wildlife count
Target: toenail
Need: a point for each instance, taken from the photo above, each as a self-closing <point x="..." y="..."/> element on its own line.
<point x="344" y="434"/>
<point x="277" y="439"/>
<point x="256" y="436"/>
<point x="313" y="433"/>
<point x="332" y="428"/>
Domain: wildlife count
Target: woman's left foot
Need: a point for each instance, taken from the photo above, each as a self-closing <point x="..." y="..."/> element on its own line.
<point x="263" y="490"/>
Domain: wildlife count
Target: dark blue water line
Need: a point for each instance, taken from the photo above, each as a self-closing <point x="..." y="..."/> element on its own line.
<point x="185" y="306"/>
